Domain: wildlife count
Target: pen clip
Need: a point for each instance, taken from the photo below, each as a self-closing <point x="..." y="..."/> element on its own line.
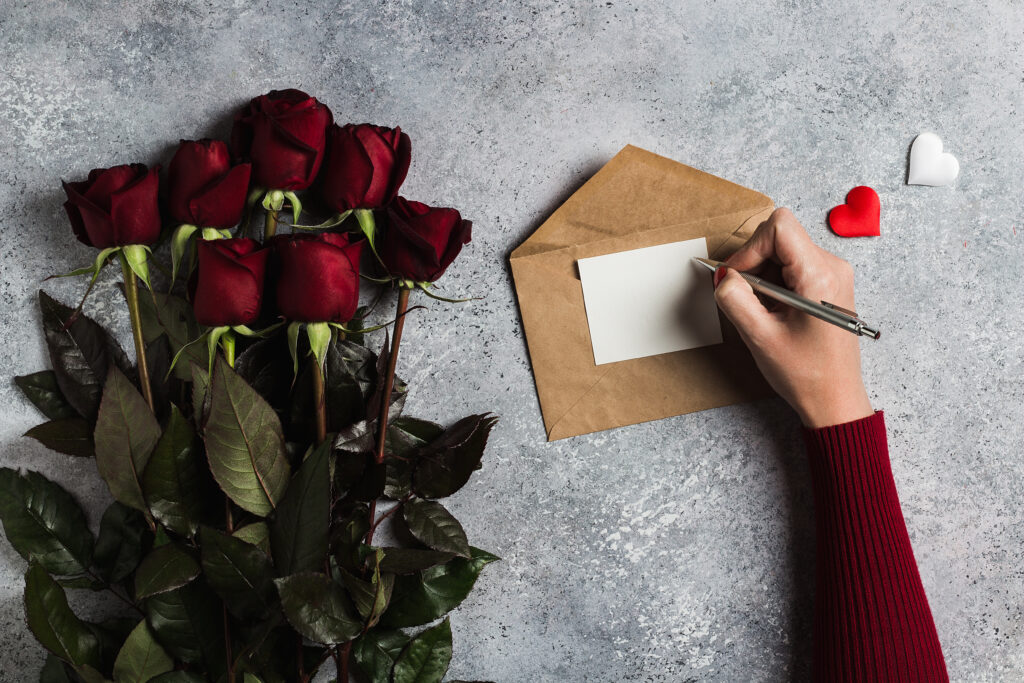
<point x="852" y="314"/>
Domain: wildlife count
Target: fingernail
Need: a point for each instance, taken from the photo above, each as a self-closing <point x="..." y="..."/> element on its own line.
<point x="720" y="272"/>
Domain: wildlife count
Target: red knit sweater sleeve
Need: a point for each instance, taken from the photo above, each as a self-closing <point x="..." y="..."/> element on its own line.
<point x="871" y="616"/>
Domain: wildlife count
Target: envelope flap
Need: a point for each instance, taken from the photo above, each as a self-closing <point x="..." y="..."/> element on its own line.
<point x="634" y="192"/>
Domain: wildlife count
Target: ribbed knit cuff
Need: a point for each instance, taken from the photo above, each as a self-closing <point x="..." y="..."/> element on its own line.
<point x="847" y="437"/>
<point x="872" y="620"/>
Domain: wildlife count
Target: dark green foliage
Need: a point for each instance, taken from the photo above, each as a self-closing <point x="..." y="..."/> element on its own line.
<point x="173" y="481"/>
<point x="41" y="388"/>
<point x="230" y="526"/>
<point x="44" y="523"/>
<point x="298" y="531"/>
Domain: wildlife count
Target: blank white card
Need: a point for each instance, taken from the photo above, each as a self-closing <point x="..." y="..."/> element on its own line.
<point x="649" y="301"/>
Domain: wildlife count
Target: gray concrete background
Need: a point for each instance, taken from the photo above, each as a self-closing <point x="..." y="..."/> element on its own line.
<point x="676" y="550"/>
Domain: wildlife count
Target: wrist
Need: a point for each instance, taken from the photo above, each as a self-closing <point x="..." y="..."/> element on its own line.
<point x="836" y="409"/>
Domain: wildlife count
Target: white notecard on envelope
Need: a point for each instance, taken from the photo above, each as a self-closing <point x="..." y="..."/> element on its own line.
<point x="645" y="302"/>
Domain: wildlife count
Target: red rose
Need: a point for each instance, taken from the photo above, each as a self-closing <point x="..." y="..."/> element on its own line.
<point x="319" y="278"/>
<point x="115" y="207"/>
<point x="365" y="166"/>
<point x="229" y="288"/>
<point x="419" y="242"/>
<point x="205" y="190"/>
<point x="283" y="134"/>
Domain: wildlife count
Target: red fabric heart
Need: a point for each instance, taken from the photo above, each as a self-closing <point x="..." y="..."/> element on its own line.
<point x="859" y="216"/>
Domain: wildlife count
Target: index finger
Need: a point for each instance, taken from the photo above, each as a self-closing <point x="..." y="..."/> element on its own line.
<point x="780" y="239"/>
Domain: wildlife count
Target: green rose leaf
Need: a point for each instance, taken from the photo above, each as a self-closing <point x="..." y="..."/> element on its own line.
<point x="178" y="677"/>
<point x="44" y="523"/>
<point x="370" y="597"/>
<point x="405" y="437"/>
<point x="298" y="532"/>
<point x="447" y="463"/>
<point x="82" y="582"/>
<point x="54" y="671"/>
<point x="257" y="534"/>
<point x="318" y="608"/>
<point x="407" y="434"/>
<point x="172" y="316"/>
<point x="53" y="623"/>
<point x="375" y="653"/>
<point x="172" y="481"/>
<point x="425" y="659"/>
<point x="200" y="395"/>
<point x="70" y="436"/>
<point x="244" y="443"/>
<point x="240" y="573"/>
<point x="347" y="531"/>
<point x="435" y="527"/>
<point x="121" y="541"/>
<point x="421" y="598"/>
<point x="81" y="353"/>
<point x="187" y="622"/>
<point x="141" y="658"/>
<point x="111" y="634"/>
<point x="41" y="388"/>
<point x="126" y="434"/>
<point x="411" y="560"/>
<point x="351" y="370"/>
<point x="166" y="568"/>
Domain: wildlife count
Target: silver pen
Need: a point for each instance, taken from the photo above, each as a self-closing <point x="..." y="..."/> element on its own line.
<point x="830" y="313"/>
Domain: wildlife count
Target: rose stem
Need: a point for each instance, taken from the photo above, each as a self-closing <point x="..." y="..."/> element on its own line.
<point x="319" y="401"/>
<point x="131" y="294"/>
<point x="385" y="397"/>
<point x="227" y="345"/>
<point x="343" y="672"/>
<point x="270" y="224"/>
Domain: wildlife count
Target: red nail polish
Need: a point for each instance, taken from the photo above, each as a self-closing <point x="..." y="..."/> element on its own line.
<point x="720" y="272"/>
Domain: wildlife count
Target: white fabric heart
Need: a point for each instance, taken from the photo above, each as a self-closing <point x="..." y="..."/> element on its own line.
<point x="929" y="165"/>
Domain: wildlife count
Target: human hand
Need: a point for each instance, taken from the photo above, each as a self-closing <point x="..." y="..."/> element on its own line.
<point x="813" y="365"/>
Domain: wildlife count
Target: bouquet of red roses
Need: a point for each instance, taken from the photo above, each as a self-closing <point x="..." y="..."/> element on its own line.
<point x="257" y="445"/>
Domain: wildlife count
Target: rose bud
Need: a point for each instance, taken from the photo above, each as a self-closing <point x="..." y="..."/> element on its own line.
<point x="365" y="166"/>
<point x="319" y="277"/>
<point x="419" y="242"/>
<point x="115" y="207"/>
<point x="283" y="134"/>
<point x="205" y="189"/>
<point x="229" y="288"/>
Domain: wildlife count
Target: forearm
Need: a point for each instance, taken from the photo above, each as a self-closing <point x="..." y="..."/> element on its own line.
<point x="872" y="620"/>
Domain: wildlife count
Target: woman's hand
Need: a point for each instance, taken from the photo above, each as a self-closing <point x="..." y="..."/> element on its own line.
<point x="815" y="366"/>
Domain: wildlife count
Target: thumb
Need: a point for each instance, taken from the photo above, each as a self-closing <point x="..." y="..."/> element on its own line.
<point x="737" y="300"/>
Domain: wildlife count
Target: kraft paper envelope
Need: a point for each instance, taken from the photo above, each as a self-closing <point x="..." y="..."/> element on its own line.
<point x="638" y="199"/>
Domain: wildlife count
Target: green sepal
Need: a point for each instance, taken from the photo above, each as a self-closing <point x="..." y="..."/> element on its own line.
<point x="246" y="331"/>
<point x="216" y="234"/>
<point x="368" y="225"/>
<point x="227" y="345"/>
<point x="213" y="337"/>
<point x="293" y="345"/>
<point x="331" y="222"/>
<point x="425" y="286"/>
<point x="137" y="257"/>
<point x="319" y="339"/>
<point x="342" y="328"/>
<point x="174" y="361"/>
<point x="101" y="260"/>
<point x="273" y="200"/>
<point x="179" y="245"/>
<point x="296" y="205"/>
<point x="378" y="280"/>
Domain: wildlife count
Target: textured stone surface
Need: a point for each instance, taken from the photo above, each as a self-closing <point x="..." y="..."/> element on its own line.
<point x="677" y="550"/>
